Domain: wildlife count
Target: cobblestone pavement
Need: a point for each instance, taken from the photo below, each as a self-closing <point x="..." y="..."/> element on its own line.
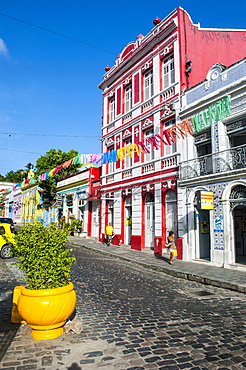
<point x="200" y="271"/>
<point x="134" y="318"/>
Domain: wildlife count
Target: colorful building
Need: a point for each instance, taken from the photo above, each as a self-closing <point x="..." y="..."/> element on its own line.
<point x="17" y="198"/>
<point x="6" y="202"/>
<point x="212" y="195"/>
<point x="78" y="196"/>
<point x="141" y="132"/>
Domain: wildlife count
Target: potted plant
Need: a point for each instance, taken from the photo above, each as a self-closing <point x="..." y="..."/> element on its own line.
<point x="49" y="297"/>
<point x="76" y="227"/>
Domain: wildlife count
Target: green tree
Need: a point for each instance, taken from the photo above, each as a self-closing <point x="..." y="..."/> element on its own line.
<point x="49" y="161"/>
<point x="14" y="176"/>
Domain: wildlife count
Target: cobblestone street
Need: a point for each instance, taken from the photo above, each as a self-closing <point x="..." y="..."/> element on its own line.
<point x="134" y="318"/>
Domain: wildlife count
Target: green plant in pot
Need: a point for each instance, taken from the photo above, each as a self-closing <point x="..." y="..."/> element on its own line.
<point x="76" y="226"/>
<point x="49" y="297"/>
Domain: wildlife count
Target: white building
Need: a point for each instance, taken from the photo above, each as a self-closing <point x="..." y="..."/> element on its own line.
<point x="214" y="160"/>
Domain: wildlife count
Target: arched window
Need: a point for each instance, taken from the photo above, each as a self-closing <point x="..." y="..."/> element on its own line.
<point x="238" y="196"/>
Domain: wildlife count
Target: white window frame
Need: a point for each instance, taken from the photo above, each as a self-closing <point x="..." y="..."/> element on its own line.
<point x="170" y="149"/>
<point x="148" y="85"/>
<point x="128" y="159"/>
<point x="112" y="110"/>
<point x="128" y="98"/>
<point x="111" y="165"/>
<point x="151" y="155"/>
<point x="168" y="71"/>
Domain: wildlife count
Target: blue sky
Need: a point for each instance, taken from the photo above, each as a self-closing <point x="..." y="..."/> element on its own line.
<point x="49" y="83"/>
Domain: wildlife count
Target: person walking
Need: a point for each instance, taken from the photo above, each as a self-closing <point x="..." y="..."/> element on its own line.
<point x="171" y="246"/>
<point x="62" y="222"/>
<point x="109" y="233"/>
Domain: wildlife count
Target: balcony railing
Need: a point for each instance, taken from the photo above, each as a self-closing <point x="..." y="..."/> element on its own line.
<point x="127" y="174"/>
<point x="225" y="161"/>
<point x="150" y="167"/>
<point x="110" y="179"/>
<point x="147" y="105"/>
<point x="170" y="161"/>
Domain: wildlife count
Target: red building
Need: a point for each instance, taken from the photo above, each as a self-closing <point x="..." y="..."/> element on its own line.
<point x="142" y="134"/>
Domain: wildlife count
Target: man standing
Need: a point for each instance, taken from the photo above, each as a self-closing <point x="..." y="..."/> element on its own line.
<point x="109" y="233"/>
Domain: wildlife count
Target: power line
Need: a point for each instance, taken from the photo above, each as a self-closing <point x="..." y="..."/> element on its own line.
<point x="22" y="134"/>
<point x="22" y="151"/>
<point x="57" y="33"/>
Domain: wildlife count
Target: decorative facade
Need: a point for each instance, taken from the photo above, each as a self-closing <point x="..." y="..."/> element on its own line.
<point x="141" y="132"/>
<point x="78" y="196"/>
<point x="213" y="165"/>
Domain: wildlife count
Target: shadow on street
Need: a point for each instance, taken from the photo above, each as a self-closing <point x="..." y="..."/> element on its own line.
<point x="7" y="329"/>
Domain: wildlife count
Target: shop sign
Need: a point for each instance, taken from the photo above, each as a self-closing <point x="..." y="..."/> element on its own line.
<point x="205" y="200"/>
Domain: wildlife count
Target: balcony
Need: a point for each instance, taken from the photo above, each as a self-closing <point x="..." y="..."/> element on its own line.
<point x="225" y="161"/>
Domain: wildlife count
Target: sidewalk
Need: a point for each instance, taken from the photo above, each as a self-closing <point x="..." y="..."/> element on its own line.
<point x="232" y="279"/>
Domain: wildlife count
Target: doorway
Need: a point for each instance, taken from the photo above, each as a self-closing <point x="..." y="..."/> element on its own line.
<point x="149" y="220"/>
<point x="202" y="232"/>
<point x="171" y="212"/>
<point x="95" y="218"/>
<point x="111" y="212"/>
<point x="204" y="235"/>
<point x="239" y="217"/>
<point x="128" y="220"/>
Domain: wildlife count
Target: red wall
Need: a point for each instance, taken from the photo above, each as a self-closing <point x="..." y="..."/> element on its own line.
<point x="205" y="48"/>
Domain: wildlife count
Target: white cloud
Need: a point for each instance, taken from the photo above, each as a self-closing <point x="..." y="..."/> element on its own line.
<point x="3" y="47"/>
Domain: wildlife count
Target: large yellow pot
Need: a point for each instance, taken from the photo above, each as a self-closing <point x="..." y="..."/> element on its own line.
<point x="46" y="310"/>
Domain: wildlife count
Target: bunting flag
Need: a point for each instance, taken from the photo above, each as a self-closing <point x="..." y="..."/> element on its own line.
<point x="170" y="135"/>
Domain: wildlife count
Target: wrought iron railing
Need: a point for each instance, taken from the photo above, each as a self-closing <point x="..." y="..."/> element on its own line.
<point x="225" y="161"/>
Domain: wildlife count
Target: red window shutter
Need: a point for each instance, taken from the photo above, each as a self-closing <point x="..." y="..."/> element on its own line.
<point x="118" y="101"/>
<point x="136" y="88"/>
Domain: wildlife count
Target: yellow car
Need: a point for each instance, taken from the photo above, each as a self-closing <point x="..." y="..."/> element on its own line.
<point x="5" y="245"/>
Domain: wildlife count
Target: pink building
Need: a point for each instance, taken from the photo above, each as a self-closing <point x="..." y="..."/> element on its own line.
<point x="142" y="134"/>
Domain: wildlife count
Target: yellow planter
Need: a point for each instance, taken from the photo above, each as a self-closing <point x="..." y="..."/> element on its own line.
<point x="46" y="310"/>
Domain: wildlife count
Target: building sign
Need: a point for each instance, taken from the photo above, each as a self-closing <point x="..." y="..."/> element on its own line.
<point x="213" y="113"/>
<point x="205" y="200"/>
